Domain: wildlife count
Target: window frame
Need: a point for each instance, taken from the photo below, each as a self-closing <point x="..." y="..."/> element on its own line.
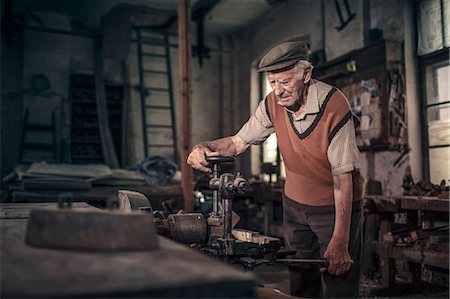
<point x="261" y="83"/>
<point x="426" y="61"/>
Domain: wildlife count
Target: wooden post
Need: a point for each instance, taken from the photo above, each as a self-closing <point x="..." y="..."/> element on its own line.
<point x="185" y="77"/>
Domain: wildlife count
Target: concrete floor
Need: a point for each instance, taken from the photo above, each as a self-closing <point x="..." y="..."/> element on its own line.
<point x="277" y="276"/>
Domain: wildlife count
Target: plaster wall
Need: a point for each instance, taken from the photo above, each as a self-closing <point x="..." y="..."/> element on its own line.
<point x="337" y="42"/>
<point x="55" y="56"/>
<point x="11" y="105"/>
<point x="389" y="18"/>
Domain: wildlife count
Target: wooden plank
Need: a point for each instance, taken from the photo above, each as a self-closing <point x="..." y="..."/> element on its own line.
<point x="56" y="184"/>
<point x="185" y="77"/>
<point x="22" y="210"/>
<point x="108" y="149"/>
<point x="423" y="255"/>
<point x="424" y="203"/>
<point x="46" y="170"/>
<point x="125" y="115"/>
<point x="393" y="203"/>
<point x="381" y="204"/>
<point x="387" y="267"/>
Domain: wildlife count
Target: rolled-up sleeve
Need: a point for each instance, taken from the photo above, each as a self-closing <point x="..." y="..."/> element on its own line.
<point x="343" y="154"/>
<point x="258" y="127"/>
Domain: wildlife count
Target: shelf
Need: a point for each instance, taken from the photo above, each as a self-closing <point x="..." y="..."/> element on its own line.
<point x="422" y="255"/>
<point x="85" y="137"/>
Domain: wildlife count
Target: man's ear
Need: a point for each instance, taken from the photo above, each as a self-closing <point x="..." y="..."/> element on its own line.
<point x="307" y="75"/>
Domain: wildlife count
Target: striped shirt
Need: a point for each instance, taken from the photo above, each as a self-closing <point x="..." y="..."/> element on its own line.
<point x="343" y="154"/>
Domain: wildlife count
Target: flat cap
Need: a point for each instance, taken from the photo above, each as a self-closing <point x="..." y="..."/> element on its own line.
<point x="283" y="56"/>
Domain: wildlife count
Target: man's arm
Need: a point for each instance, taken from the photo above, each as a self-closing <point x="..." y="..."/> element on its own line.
<point x="337" y="250"/>
<point x="228" y="146"/>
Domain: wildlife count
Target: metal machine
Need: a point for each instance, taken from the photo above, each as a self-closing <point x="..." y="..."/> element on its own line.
<point x="213" y="234"/>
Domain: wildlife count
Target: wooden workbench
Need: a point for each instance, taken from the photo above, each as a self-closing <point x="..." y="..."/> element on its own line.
<point x="172" y="271"/>
<point x="388" y="251"/>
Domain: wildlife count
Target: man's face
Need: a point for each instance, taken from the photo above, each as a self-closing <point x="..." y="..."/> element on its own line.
<point x="287" y="86"/>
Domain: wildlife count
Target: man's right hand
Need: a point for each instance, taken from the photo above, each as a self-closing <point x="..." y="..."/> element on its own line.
<point x="197" y="158"/>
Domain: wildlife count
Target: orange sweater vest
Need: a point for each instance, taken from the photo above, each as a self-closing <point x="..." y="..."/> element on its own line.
<point x="308" y="173"/>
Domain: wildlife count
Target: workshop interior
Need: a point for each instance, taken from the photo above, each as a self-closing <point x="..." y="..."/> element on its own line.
<point x="103" y="101"/>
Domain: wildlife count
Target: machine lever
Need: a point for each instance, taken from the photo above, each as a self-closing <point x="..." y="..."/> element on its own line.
<point x="302" y="261"/>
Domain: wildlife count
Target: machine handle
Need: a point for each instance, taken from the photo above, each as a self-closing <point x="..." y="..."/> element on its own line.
<point x="219" y="159"/>
<point x="303" y="261"/>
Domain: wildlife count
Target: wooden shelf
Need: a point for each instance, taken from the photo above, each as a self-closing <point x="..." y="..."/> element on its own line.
<point x="85" y="119"/>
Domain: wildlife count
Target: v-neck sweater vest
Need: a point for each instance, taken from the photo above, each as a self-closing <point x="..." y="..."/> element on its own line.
<point x="308" y="173"/>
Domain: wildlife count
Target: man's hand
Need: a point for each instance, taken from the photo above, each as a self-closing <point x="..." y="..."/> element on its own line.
<point x="197" y="158"/>
<point x="339" y="260"/>
<point x="228" y="146"/>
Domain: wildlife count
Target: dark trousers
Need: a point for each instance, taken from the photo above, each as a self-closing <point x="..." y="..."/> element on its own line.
<point x="307" y="230"/>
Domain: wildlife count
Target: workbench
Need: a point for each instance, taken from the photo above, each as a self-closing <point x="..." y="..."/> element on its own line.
<point x="171" y="271"/>
<point x="416" y="249"/>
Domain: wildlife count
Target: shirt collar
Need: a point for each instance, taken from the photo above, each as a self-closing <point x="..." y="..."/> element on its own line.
<point x="312" y="102"/>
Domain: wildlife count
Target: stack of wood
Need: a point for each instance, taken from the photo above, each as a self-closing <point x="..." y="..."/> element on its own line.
<point x="45" y="182"/>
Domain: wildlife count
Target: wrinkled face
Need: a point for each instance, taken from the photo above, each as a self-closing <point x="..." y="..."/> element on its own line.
<point x="288" y="86"/>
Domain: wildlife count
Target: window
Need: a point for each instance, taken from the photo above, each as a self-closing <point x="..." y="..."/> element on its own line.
<point x="435" y="72"/>
<point x="270" y="152"/>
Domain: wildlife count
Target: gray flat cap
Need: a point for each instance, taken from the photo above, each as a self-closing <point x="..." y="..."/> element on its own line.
<point x="283" y="56"/>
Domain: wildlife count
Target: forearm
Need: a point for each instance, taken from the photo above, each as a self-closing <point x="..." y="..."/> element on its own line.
<point x="228" y="146"/>
<point x="343" y="200"/>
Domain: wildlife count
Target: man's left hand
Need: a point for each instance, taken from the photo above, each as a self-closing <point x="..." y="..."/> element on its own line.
<point x="339" y="260"/>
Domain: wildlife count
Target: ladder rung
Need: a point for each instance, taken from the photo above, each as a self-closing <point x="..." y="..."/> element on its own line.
<point x="32" y="145"/>
<point x="159" y="126"/>
<point x="154" y="55"/>
<point x="158" y="89"/>
<point x="155" y="72"/>
<point x="150" y="41"/>
<point x="39" y="127"/>
<point x="157" y="107"/>
<point x="161" y="44"/>
<point x="160" y="145"/>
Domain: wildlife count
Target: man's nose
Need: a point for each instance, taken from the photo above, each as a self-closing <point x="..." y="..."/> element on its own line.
<point x="278" y="89"/>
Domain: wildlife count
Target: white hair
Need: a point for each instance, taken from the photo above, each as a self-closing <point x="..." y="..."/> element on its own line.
<point x="302" y="65"/>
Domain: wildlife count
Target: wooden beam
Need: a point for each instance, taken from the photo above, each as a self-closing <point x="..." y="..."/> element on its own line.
<point x="108" y="149"/>
<point x="185" y="81"/>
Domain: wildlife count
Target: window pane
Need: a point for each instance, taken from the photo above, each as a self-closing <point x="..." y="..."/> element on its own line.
<point x="437" y="83"/>
<point x="270" y="145"/>
<point x="439" y="164"/>
<point x="443" y="75"/>
<point x="270" y="149"/>
<point x="439" y="125"/>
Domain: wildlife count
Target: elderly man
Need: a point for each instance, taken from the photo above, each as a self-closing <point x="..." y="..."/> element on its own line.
<point x="314" y="126"/>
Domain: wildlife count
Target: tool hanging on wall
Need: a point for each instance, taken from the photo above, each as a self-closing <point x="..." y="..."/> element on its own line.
<point x="350" y="15"/>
